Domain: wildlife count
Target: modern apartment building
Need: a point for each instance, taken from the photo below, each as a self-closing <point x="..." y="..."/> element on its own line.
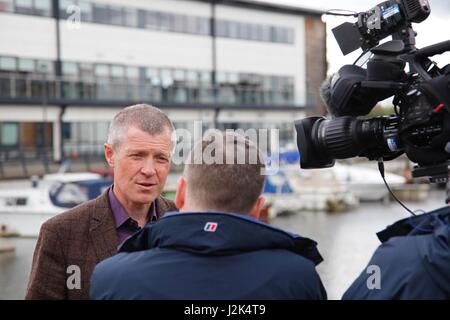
<point x="67" y="66"/>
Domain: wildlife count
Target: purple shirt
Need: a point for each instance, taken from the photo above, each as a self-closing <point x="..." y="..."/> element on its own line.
<point x="125" y="225"/>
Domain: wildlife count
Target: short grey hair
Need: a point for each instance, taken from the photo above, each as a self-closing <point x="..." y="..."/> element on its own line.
<point x="223" y="186"/>
<point x="142" y="116"/>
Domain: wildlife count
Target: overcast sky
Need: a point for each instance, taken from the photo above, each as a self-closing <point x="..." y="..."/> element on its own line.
<point x="434" y="29"/>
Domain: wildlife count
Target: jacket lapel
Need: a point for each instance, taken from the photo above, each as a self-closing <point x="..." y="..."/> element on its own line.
<point x="163" y="205"/>
<point x="103" y="230"/>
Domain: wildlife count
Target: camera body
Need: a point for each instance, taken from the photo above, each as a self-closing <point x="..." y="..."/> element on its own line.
<point x="420" y="126"/>
<point x="392" y="17"/>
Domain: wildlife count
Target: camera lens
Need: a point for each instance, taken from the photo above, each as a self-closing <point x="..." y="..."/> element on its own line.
<point x="338" y="138"/>
<point x="347" y="137"/>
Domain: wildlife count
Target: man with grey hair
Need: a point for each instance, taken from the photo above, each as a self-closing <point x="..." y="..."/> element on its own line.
<point x="138" y="148"/>
<point x="215" y="248"/>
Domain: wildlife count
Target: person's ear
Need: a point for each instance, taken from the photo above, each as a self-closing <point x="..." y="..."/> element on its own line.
<point x="109" y="154"/>
<point x="255" y="212"/>
<point x="180" y="197"/>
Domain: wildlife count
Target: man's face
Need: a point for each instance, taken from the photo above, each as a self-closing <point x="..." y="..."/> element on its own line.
<point x="141" y="165"/>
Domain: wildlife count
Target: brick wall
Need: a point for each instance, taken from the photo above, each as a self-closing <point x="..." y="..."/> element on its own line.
<point x="316" y="62"/>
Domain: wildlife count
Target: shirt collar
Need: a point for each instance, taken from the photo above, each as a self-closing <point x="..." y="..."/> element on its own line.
<point x="120" y="213"/>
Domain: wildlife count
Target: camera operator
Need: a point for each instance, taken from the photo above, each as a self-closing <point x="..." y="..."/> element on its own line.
<point x="413" y="261"/>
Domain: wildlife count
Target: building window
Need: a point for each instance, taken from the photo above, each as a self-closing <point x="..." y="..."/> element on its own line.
<point x="9" y="134"/>
<point x="254" y="32"/>
<point x="8" y="64"/>
<point x="244" y="31"/>
<point x="63" y="6"/>
<point x="69" y="69"/>
<point x="233" y="29"/>
<point x="152" y="76"/>
<point x="222" y="28"/>
<point x="180" y="23"/>
<point x="32" y="7"/>
<point x="132" y="73"/>
<point x="290" y="36"/>
<point x="191" y="25"/>
<point x="132" y="83"/>
<point x="102" y="70"/>
<point x="180" y="91"/>
<point x="26" y="65"/>
<point x="86" y="11"/>
<point x="203" y="26"/>
<point x="282" y="35"/>
<point x="24" y="6"/>
<point x="166" y="78"/>
<point x="116" y="16"/>
<point x="84" y="137"/>
<point x="166" y="21"/>
<point x="192" y="77"/>
<point x="101" y="14"/>
<point x="70" y="87"/>
<point x="130" y="17"/>
<point x="265" y="33"/>
<point x="205" y="77"/>
<point x="117" y="72"/>
<point x="66" y="130"/>
<point x="222" y="77"/>
<point x="155" y="20"/>
<point x="151" y="20"/>
<point x="86" y="71"/>
<point x="42" y="8"/>
<point x="45" y="66"/>
<point x="101" y="133"/>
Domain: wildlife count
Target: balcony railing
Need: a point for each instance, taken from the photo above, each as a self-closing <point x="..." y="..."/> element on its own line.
<point x="23" y="162"/>
<point x="47" y="88"/>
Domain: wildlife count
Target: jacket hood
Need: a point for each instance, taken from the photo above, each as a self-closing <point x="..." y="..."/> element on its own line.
<point x="218" y="234"/>
<point x="431" y="234"/>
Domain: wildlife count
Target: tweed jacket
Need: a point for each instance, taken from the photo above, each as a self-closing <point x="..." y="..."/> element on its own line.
<point x="71" y="244"/>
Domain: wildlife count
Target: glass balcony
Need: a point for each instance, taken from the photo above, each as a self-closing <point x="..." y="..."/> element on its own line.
<point x="47" y="88"/>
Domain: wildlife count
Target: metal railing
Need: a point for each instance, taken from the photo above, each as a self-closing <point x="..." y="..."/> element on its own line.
<point x="24" y="157"/>
<point x="48" y="88"/>
<point x="26" y="161"/>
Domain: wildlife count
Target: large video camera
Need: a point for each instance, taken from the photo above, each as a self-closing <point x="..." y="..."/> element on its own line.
<point x="420" y="126"/>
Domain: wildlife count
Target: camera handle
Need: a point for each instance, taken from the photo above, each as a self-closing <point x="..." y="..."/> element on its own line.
<point x="418" y="58"/>
<point x="435" y="173"/>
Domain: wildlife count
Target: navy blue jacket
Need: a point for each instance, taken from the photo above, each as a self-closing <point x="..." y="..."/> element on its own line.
<point x="414" y="260"/>
<point x="183" y="257"/>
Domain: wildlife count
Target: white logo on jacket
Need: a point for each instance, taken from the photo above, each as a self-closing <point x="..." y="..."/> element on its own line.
<point x="210" y="227"/>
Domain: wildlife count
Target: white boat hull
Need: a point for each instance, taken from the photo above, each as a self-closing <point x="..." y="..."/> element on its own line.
<point x="24" y="210"/>
<point x="25" y="224"/>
